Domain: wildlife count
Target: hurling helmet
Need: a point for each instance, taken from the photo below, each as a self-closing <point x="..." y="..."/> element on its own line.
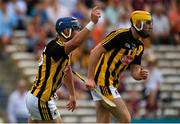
<point x="67" y="23"/>
<point x="141" y="17"/>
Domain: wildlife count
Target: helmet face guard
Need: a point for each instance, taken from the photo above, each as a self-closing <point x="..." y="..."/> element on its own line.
<point x="70" y="23"/>
<point x="139" y="19"/>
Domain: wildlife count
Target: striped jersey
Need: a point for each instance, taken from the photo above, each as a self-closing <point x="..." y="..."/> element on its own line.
<point x="122" y="50"/>
<point x="50" y="73"/>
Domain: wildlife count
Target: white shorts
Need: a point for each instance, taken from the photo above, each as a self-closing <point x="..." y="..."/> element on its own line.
<point x="39" y="110"/>
<point x="110" y="92"/>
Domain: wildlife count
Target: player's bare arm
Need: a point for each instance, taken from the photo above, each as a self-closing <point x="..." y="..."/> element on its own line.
<point x="138" y="72"/>
<point x="82" y="35"/>
<point x="68" y="79"/>
<point x="93" y="60"/>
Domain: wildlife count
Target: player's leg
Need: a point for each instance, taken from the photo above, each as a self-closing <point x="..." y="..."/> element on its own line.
<point x="57" y="120"/>
<point x="42" y="112"/>
<point x="120" y="112"/>
<point x="104" y="110"/>
<point x="49" y="112"/>
<point x="30" y="120"/>
<point x="103" y="115"/>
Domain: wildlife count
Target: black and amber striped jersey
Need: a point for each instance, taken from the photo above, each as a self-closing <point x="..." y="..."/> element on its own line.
<point x="50" y="74"/>
<point x="122" y="50"/>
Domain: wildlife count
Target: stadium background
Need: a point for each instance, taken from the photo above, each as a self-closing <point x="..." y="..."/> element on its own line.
<point x="27" y="25"/>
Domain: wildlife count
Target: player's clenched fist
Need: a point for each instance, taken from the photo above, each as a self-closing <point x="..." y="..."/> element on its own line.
<point x="144" y="73"/>
<point x="95" y="14"/>
<point x="90" y="84"/>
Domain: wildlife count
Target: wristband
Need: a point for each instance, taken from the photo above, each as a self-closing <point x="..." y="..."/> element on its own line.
<point x="90" y="26"/>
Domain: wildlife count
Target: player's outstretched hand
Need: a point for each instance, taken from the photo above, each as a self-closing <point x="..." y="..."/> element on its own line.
<point x="72" y="103"/>
<point x="95" y="14"/>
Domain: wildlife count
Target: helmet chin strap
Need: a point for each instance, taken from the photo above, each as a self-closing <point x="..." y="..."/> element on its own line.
<point x="67" y="36"/>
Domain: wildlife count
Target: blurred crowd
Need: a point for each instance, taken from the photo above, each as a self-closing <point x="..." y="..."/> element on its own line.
<point x="37" y="19"/>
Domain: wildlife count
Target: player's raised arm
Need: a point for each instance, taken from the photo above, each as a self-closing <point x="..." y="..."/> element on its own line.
<point x="83" y="34"/>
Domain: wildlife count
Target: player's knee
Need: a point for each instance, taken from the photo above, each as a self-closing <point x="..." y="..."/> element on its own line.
<point x="125" y="119"/>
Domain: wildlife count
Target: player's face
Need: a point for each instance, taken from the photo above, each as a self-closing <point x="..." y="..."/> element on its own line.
<point x="148" y="27"/>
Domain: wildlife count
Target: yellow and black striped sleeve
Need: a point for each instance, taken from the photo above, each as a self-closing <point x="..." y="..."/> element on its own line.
<point x="56" y="51"/>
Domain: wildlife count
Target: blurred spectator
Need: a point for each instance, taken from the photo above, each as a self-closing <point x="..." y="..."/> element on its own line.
<point x="55" y="10"/>
<point x="8" y="21"/>
<point x="124" y="19"/>
<point x="138" y="4"/>
<point x="133" y="103"/>
<point x="17" y="111"/>
<point x="152" y="87"/>
<point x="20" y="8"/>
<point x="111" y="12"/>
<point x="30" y="5"/>
<point x="122" y="82"/>
<point x="126" y="5"/>
<point x="174" y="18"/>
<point x="40" y="10"/>
<point x="80" y="11"/>
<point x="70" y="4"/>
<point x="41" y="42"/>
<point x="124" y="11"/>
<point x="36" y="34"/>
<point x="3" y="104"/>
<point x="88" y="3"/>
<point x="161" y="27"/>
<point x="32" y="33"/>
